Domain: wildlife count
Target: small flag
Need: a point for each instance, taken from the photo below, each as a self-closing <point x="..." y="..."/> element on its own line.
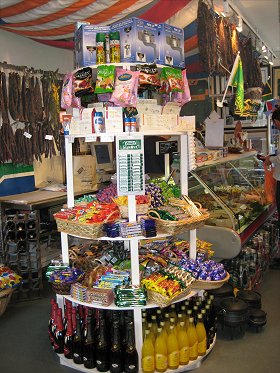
<point x="236" y="80"/>
<point x="267" y="92"/>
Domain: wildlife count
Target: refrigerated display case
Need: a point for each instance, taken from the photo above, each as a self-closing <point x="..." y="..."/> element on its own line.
<point x="232" y="189"/>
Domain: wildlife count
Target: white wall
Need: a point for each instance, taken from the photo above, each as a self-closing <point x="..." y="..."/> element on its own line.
<point x="21" y="51"/>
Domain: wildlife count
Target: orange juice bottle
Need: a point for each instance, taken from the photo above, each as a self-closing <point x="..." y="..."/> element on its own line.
<point x="189" y="315"/>
<point x="167" y="321"/>
<point x="193" y="341"/>
<point x="154" y="324"/>
<point x="179" y="320"/>
<point x="153" y="336"/>
<point x="184" y="312"/>
<point x="172" y="349"/>
<point x="201" y="336"/>
<point x="160" y="352"/>
<point x="184" y="348"/>
<point x="163" y="327"/>
<point x="148" y="354"/>
<point x="173" y="312"/>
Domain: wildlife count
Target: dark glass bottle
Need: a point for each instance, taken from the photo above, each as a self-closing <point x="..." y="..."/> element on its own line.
<point x="20" y="226"/>
<point x="89" y="346"/>
<point x="68" y="339"/>
<point x="31" y="224"/>
<point x="10" y="225"/>
<point x="31" y="235"/>
<point x="51" y="320"/>
<point x="102" y="350"/>
<point x="116" y="356"/>
<point x="131" y="355"/>
<point x="53" y="324"/>
<point x="195" y="314"/>
<point x="206" y="325"/>
<point x="78" y="342"/>
<point x="59" y="333"/>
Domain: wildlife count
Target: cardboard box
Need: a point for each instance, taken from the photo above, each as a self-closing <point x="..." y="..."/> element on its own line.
<point x="84" y="172"/>
<point x="139" y="40"/>
<point x="85" y="44"/>
<point x="171" y="45"/>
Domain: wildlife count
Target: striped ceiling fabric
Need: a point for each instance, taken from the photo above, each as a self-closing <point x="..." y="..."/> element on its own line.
<point x="48" y="21"/>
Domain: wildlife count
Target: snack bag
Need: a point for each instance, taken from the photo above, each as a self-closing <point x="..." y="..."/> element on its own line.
<point x="183" y="97"/>
<point x="83" y="82"/>
<point x="67" y="96"/>
<point x="105" y="79"/>
<point x="148" y="75"/>
<point x="164" y="84"/>
<point x="174" y="78"/>
<point x="126" y="85"/>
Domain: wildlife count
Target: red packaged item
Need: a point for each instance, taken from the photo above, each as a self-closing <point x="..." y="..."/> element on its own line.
<point x="83" y="82"/>
<point x="148" y="75"/>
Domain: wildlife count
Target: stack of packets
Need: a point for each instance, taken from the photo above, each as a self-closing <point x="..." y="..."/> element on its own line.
<point x="130" y="296"/>
<point x="96" y="295"/>
<point x="55" y="265"/>
<point x="148" y="227"/>
<point x="112" y="229"/>
<point x="130" y="229"/>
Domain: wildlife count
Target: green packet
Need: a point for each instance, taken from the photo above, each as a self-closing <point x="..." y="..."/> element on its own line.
<point x="105" y="79"/>
<point x="173" y="78"/>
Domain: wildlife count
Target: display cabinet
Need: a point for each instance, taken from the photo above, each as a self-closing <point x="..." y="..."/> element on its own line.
<point x="232" y="189"/>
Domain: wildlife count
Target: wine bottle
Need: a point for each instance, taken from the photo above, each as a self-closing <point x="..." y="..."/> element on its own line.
<point x="68" y="339"/>
<point x="102" y="350"/>
<point x="59" y="333"/>
<point x="116" y="357"/>
<point x="131" y="355"/>
<point x="78" y="342"/>
<point x="31" y="235"/>
<point x="20" y="226"/>
<point x="51" y="320"/>
<point x="89" y="346"/>
<point x="10" y="225"/>
<point x="31" y="224"/>
<point x="54" y="323"/>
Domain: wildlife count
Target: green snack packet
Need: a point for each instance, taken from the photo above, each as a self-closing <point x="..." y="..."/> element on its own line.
<point x="174" y="78"/>
<point x="105" y="79"/>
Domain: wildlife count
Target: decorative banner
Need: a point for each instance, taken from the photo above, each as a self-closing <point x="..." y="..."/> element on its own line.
<point x="130" y="165"/>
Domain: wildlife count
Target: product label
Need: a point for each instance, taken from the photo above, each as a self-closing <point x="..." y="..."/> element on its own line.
<point x="173" y="359"/>
<point x="27" y="135"/>
<point x="184" y="355"/>
<point x="161" y="362"/>
<point x="201" y="347"/>
<point x="148" y="364"/>
<point x="125" y="77"/>
<point x="193" y="351"/>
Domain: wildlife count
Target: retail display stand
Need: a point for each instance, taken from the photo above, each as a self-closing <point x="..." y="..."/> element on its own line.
<point x="129" y="155"/>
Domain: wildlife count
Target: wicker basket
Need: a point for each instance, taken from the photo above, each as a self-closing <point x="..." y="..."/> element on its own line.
<point x="90" y="230"/>
<point x="5" y="296"/>
<point x="141" y="208"/>
<point x="163" y="301"/>
<point x="62" y="289"/>
<point x="208" y="285"/>
<point x="178" y="226"/>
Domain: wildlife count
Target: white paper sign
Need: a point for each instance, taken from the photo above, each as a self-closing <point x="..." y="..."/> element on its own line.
<point x="48" y="137"/>
<point x="214" y="133"/>
<point x="90" y="138"/>
<point x="27" y="135"/>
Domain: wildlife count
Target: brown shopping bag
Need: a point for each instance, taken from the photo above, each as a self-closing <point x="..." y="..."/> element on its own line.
<point x="269" y="184"/>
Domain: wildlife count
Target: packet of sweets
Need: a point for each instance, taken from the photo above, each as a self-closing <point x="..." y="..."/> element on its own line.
<point x="183" y="97"/>
<point x="105" y="79"/>
<point x="174" y="78"/>
<point x="67" y="95"/>
<point x="83" y="82"/>
<point x="126" y="85"/>
<point x="148" y="75"/>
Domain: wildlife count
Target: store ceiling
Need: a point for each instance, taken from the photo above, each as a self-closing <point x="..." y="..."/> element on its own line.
<point x="52" y="22"/>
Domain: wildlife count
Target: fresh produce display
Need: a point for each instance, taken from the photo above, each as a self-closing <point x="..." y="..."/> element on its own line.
<point x="123" y="200"/>
<point x="8" y="278"/>
<point x="162" y="191"/>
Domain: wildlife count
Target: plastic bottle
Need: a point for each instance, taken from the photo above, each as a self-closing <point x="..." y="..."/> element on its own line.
<point x="98" y="122"/>
<point x="133" y="125"/>
<point x="201" y="336"/>
<point x="148" y="354"/>
<point x="172" y="349"/>
<point x="100" y="48"/>
<point x="193" y="341"/>
<point x="160" y="352"/>
<point x="184" y="347"/>
<point x="126" y="124"/>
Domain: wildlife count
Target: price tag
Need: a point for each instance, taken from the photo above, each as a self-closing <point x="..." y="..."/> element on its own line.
<point x="106" y="138"/>
<point x="71" y="139"/>
<point x="49" y="137"/>
<point x="90" y="138"/>
<point x="27" y="135"/>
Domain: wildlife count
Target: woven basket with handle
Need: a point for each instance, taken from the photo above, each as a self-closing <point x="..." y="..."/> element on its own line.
<point x="5" y="296"/>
